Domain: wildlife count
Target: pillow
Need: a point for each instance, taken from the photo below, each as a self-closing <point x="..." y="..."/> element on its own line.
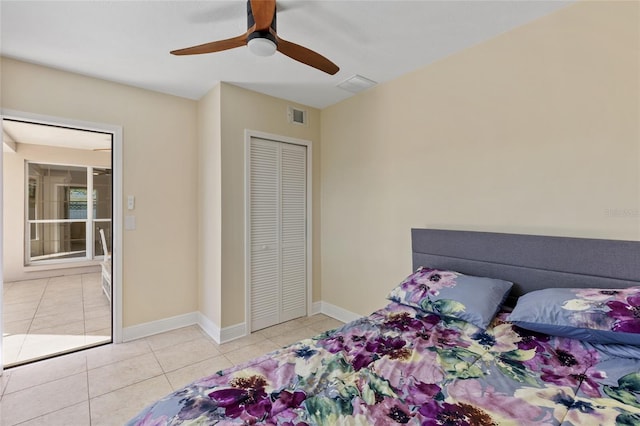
<point x="590" y="314"/>
<point x="452" y="294"/>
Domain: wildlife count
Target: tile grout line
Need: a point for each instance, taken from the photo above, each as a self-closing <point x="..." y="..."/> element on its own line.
<point x="86" y="370"/>
<point x="33" y="319"/>
<point x="124" y="387"/>
<point x="48" y="412"/>
<point x="84" y="317"/>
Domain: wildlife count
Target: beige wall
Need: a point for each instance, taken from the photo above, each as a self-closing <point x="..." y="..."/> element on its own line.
<point x="160" y="154"/>
<point x="13" y="169"/>
<point x="210" y="207"/>
<point x="243" y="109"/>
<point x="535" y="131"/>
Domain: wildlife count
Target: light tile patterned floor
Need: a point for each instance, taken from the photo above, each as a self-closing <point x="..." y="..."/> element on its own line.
<point x="52" y="315"/>
<point x="108" y="385"/>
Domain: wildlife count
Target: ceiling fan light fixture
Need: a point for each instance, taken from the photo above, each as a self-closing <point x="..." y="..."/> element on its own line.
<point x="262" y="46"/>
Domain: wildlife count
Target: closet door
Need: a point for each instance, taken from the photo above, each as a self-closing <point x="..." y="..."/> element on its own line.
<point x="264" y="230"/>
<point x="293" y="242"/>
<point x="277" y="232"/>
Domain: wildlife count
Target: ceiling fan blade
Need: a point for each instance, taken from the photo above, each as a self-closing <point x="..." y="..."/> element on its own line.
<point x="306" y="56"/>
<point x="215" y="46"/>
<point x="263" y="12"/>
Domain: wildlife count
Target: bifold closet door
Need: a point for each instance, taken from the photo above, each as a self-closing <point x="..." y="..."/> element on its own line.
<point x="277" y="234"/>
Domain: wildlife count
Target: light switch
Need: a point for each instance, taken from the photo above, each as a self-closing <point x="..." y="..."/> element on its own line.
<point x="131" y="202"/>
<point x="129" y="222"/>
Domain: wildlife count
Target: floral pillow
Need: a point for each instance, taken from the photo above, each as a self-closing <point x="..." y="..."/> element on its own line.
<point x="589" y="314"/>
<point x="452" y="294"/>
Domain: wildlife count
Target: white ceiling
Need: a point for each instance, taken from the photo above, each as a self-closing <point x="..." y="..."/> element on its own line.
<point x="129" y="41"/>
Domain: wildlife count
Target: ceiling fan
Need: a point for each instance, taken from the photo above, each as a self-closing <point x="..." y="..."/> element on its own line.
<point x="262" y="39"/>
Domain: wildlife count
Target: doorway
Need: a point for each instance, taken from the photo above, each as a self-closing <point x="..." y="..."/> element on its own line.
<point x="58" y="212"/>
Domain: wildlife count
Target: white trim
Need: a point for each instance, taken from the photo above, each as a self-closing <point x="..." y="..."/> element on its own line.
<point x="316" y="308"/>
<point x="233" y="332"/>
<point x="1" y="248"/>
<point x="337" y="312"/>
<point x="117" y="168"/>
<point x="224" y="335"/>
<point x="90" y="227"/>
<point x="248" y="134"/>
<point x="160" y="326"/>
<point x="117" y="214"/>
<point x="209" y="327"/>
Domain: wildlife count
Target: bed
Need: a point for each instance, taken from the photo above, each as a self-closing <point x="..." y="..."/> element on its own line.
<point x="450" y="348"/>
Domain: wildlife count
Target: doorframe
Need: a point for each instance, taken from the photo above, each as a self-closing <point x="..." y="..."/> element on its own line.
<point x="248" y="134"/>
<point x="117" y="213"/>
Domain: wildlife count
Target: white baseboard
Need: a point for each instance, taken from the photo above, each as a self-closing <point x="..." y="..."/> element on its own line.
<point x="233" y="332"/>
<point x="209" y="327"/>
<point x="219" y="335"/>
<point x="334" y="311"/>
<point x="160" y="326"/>
<point x="225" y="334"/>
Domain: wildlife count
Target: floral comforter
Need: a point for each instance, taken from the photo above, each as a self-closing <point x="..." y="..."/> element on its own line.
<point x="401" y="365"/>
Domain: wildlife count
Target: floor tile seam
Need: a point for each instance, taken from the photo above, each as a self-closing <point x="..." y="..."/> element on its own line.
<point x="84" y="317"/>
<point x="21" y="347"/>
<point x="22" y="302"/>
<point x="33" y="317"/>
<point x="44" y="383"/>
<point x="4" y="387"/>
<point x="86" y="366"/>
<point x="116" y="362"/>
<point x="53" y="412"/>
<point x="49" y="412"/>
<point x="188" y="365"/>
<point x="173" y="344"/>
<point x="240" y="347"/>
<point x="44" y="290"/>
<point x="35" y="330"/>
<point x="230" y="360"/>
<point x="128" y="385"/>
<point x="155" y="356"/>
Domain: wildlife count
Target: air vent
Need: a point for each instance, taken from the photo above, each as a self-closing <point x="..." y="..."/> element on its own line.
<point x="297" y="116"/>
<point x="356" y="84"/>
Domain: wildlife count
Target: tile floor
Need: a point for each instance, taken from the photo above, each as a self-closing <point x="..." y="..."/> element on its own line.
<point x="110" y="384"/>
<point x="53" y="315"/>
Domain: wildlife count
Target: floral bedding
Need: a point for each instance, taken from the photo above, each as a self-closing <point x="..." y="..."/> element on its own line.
<point x="402" y="365"/>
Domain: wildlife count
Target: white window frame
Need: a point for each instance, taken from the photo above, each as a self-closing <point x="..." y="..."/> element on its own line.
<point x="90" y="221"/>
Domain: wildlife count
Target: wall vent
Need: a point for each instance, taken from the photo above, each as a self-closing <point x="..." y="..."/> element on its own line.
<point x="297" y="116"/>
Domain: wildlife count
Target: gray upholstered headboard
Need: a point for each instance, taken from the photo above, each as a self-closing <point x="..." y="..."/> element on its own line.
<point x="531" y="262"/>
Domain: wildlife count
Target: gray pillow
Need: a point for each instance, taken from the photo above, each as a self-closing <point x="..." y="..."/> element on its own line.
<point x="590" y="314"/>
<point x="452" y="294"/>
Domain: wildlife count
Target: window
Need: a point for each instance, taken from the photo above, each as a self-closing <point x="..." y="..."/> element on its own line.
<point x="66" y="207"/>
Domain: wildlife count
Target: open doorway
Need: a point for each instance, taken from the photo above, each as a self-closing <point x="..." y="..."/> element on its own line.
<point x="57" y="239"/>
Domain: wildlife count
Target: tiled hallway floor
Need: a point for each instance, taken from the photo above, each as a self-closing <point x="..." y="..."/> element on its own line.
<point x="110" y="384"/>
<point x="53" y="315"/>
